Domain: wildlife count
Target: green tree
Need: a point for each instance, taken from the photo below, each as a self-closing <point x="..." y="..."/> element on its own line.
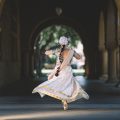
<point x="49" y="36"/>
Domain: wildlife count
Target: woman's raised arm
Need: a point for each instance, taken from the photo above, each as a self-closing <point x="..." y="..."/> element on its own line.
<point x="49" y="52"/>
<point x="77" y="56"/>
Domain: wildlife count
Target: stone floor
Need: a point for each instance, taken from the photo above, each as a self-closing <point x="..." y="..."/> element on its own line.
<point x="104" y="104"/>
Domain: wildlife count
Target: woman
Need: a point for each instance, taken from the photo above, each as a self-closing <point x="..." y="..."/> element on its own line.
<point x="61" y="83"/>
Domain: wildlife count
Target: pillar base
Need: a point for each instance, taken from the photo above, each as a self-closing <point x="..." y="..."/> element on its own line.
<point x="111" y="80"/>
<point x="103" y="77"/>
<point x="117" y="84"/>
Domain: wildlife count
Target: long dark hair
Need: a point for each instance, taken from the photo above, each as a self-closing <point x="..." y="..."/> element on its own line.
<point x="60" y="59"/>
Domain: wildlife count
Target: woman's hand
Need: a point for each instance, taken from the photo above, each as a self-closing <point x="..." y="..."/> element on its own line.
<point x="50" y="76"/>
<point x="48" y="52"/>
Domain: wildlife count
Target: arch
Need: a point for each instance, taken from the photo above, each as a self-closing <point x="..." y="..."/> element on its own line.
<point x="54" y="21"/>
<point x="44" y="24"/>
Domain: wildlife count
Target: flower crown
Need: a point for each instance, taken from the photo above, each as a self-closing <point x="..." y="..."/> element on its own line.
<point x="63" y="40"/>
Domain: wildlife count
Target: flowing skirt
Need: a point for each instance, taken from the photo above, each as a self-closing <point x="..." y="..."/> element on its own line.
<point x="63" y="87"/>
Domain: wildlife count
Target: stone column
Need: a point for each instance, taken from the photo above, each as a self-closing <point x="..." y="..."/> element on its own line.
<point x="102" y="50"/>
<point x="112" y="73"/>
<point x="111" y="40"/>
<point x="118" y="67"/>
<point x="104" y="65"/>
<point x="118" y="39"/>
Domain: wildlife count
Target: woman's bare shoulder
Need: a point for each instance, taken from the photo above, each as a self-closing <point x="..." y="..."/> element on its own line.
<point x="70" y="49"/>
<point x="67" y="49"/>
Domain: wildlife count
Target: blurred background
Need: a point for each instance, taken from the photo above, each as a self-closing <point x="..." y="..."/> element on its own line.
<point x="29" y="27"/>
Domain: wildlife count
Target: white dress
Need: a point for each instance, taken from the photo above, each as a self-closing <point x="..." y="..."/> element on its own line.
<point x="63" y="87"/>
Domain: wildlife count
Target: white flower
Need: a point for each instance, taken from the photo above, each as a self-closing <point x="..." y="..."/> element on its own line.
<point x="63" y="40"/>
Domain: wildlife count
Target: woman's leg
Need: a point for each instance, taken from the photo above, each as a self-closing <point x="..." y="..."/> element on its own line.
<point x="65" y="104"/>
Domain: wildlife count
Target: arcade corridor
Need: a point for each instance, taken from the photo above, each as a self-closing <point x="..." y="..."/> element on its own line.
<point x="29" y="27"/>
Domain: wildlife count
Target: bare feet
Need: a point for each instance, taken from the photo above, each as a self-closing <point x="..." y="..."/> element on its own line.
<point x="65" y="105"/>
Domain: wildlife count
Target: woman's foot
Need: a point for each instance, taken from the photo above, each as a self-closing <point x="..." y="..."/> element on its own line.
<point x="65" y="105"/>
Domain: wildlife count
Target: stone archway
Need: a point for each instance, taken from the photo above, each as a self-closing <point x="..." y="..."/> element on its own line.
<point x="39" y="27"/>
<point x="48" y="39"/>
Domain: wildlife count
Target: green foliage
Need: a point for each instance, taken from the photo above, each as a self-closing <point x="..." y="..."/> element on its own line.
<point x="49" y="36"/>
<point x="52" y="59"/>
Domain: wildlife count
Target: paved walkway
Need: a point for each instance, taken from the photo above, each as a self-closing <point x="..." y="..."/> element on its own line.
<point x="55" y="112"/>
<point x="104" y="104"/>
